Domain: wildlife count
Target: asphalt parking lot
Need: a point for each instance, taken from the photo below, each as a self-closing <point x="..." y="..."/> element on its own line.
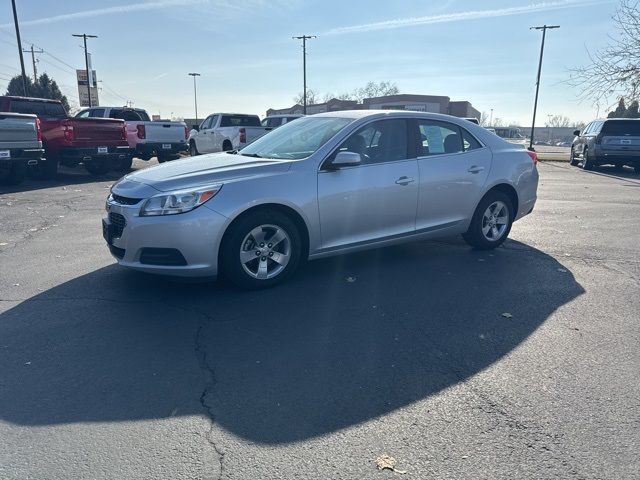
<point x="517" y="363"/>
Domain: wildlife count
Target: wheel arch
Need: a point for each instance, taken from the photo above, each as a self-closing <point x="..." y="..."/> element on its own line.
<point x="292" y="213"/>
<point x="509" y="191"/>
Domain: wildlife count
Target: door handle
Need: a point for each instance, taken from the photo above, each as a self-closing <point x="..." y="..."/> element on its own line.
<point x="404" y="181"/>
<point x="475" y="169"/>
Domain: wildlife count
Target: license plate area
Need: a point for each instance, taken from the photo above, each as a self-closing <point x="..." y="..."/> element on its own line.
<point x="166" y="146"/>
<point x="103" y="150"/>
<point x="5" y="153"/>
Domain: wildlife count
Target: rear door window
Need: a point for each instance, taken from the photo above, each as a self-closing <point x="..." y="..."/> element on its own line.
<point x="97" y="113"/>
<point x="239" y="121"/>
<point x="469" y="142"/>
<point x="438" y="138"/>
<point x="622" y="128"/>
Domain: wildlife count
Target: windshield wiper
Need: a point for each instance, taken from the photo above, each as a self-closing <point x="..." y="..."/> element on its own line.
<point x="232" y="152"/>
<point x="254" y="155"/>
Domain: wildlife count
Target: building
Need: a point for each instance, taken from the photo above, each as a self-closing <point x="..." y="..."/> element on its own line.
<point x="418" y="103"/>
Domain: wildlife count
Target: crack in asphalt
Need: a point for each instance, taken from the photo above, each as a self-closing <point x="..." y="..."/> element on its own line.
<point x="201" y="352"/>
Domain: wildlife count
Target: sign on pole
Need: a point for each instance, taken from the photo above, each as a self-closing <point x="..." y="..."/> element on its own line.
<point x="83" y="96"/>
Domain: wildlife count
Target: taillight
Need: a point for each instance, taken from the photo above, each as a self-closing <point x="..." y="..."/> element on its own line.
<point x="38" y="130"/>
<point x="186" y="133"/>
<point x="243" y="135"/>
<point x="69" y="132"/>
<point x="534" y="156"/>
<point x="142" y="132"/>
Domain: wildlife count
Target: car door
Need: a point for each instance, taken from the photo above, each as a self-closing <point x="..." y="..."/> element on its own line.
<point x="581" y="141"/>
<point x="376" y="199"/>
<point x="203" y="142"/>
<point x="453" y="167"/>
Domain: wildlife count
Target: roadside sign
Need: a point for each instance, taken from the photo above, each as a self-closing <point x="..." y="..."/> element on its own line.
<point x="83" y="96"/>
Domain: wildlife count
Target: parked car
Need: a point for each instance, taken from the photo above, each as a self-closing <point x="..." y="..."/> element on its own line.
<point x="20" y="146"/>
<point x="222" y="132"/>
<point x="275" y="121"/>
<point x="608" y="141"/>
<point x="162" y="139"/>
<point x="323" y="185"/>
<point x="95" y="142"/>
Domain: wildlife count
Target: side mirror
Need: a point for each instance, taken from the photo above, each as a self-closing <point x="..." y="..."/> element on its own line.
<point x="346" y="159"/>
<point x="576" y="133"/>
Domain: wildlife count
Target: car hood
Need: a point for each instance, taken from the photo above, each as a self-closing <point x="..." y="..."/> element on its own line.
<point x="204" y="170"/>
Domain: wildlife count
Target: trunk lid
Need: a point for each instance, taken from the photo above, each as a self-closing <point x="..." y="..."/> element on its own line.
<point x="164" y="132"/>
<point x="18" y="131"/>
<point x="97" y="131"/>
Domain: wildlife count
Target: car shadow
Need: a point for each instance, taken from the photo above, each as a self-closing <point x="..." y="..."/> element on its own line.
<point x="68" y="176"/>
<point x="625" y="173"/>
<point x="347" y="340"/>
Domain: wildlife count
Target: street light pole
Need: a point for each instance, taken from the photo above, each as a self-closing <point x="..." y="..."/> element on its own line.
<point x="84" y="36"/>
<point x="15" y="21"/>
<point x="195" y="93"/>
<point x="304" y="39"/>
<point x="491" y="119"/>
<point x="535" y="103"/>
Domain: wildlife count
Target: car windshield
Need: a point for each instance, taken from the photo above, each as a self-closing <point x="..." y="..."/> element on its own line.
<point x="296" y="140"/>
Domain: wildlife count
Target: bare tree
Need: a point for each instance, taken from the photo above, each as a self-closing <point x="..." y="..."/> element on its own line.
<point x="373" y="89"/>
<point x="614" y="71"/>
<point x="484" y="119"/>
<point x="312" y="97"/>
<point x="558" y="121"/>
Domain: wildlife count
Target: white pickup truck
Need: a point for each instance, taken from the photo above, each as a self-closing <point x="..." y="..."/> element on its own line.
<point x="161" y="139"/>
<point x="221" y="132"/>
<point x="20" y="146"/>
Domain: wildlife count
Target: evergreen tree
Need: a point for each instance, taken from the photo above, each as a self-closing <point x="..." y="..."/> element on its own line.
<point x="632" y="111"/>
<point x="45" y="87"/>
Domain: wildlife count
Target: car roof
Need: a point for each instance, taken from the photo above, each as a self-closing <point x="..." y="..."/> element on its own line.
<point x="357" y="114"/>
<point x="29" y="99"/>
<point x="237" y="114"/>
<point x="282" y="115"/>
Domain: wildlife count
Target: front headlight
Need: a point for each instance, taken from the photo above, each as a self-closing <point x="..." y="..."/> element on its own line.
<point x="178" y="202"/>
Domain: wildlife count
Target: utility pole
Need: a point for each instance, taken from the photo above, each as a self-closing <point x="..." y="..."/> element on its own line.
<point x="33" y="59"/>
<point x="535" y="103"/>
<point x="84" y="36"/>
<point x="15" y="21"/>
<point x="304" y="39"/>
<point x="195" y="93"/>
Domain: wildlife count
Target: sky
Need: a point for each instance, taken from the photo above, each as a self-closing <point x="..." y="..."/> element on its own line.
<point x="480" y="51"/>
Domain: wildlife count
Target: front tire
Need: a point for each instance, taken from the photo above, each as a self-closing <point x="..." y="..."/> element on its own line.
<point x="193" y="150"/>
<point x="491" y="222"/>
<point x="226" y="146"/>
<point x="574" y="161"/>
<point x="261" y="249"/>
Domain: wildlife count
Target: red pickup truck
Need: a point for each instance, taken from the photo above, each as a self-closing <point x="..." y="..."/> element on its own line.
<point x="98" y="143"/>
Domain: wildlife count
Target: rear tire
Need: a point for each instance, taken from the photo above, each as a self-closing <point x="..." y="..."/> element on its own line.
<point x="124" y="165"/>
<point x="248" y="240"/>
<point x="226" y="146"/>
<point x="46" y="169"/>
<point x="491" y="222"/>
<point x="17" y="173"/>
<point x="587" y="161"/>
<point x="193" y="150"/>
<point x="97" y="168"/>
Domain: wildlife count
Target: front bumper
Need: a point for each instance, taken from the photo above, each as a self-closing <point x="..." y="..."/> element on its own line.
<point x="75" y="155"/>
<point x="139" y="242"/>
<point x="154" y="148"/>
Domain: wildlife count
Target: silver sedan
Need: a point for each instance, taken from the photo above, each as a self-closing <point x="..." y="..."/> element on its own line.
<point x="322" y="185"/>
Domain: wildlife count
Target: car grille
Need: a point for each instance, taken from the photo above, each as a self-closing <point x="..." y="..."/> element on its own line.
<point x="118" y="222"/>
<point x="125" y="200"/>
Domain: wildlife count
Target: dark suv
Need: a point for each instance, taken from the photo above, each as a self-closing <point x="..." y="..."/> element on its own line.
<point x="613" y="141"/>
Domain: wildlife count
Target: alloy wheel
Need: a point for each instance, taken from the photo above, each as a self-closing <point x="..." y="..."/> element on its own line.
<point x="265" y="251"/>
<point x="495" y="221"/>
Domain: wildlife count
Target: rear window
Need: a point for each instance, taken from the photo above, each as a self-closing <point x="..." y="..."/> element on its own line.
<point x="128" y="115"/>
<point x="622" y="127"/>
<point x="41" y="109"/>
<point x="239" y="121"/>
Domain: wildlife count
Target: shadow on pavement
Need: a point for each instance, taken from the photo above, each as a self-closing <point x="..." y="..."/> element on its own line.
<point x="349" y="339"/>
